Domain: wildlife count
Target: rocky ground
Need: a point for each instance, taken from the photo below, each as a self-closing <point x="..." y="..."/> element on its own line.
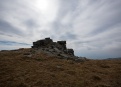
<point x="30" y="68"/>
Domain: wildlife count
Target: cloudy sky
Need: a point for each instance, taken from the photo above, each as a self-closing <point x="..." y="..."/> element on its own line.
<point x="91" y="27"/>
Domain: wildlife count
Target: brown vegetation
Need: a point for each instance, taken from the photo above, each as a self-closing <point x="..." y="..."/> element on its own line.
<point x="40" y="70"/>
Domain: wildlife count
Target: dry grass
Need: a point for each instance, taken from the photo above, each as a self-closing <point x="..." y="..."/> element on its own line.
<point x="41" y="70"/>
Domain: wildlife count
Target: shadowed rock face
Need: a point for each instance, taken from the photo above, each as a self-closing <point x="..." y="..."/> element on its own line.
<point x="62" y="43"/>
<point x="70" y="51"/>
<point x="41" y="43"/>
<point x="58" y="47"/>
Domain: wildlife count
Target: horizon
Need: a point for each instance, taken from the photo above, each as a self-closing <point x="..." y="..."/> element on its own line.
<point x="91" y="28"/>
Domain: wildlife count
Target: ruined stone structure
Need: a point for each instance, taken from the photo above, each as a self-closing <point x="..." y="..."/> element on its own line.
<point x="58" y="47"/>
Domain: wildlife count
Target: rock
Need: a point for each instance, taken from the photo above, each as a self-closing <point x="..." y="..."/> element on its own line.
<point x="51" y="50"/>
<point x="49" y="53"/>
<point x="70" y="51"/>
<point x="57" y="50"/>
<point x="29" y="56"/>
<point x="62" y="43"/>
<point x="81" y="59"/>
<point x="64" y="55"/>
<point x="47" y="45"/>
<point x="41" y="43"/>
<point x="65" y="51"/>
<point x="71" y="58"/>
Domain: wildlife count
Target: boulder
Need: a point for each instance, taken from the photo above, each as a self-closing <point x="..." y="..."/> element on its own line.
<point x="64" y="55"/>
<point x="57" y="50"/>
<point x="70" y="51"/>
<point x="81" y="59"/>
<point x="41" y="43"/>
<point x="61" y="42"/>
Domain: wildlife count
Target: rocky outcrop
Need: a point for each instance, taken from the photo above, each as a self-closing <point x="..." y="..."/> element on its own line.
<point x="58" y="47"/>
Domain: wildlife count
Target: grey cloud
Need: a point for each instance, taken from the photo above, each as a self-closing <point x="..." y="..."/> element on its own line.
<point x="69" y="36"/>
<point x="31" y="24"/>
<point x="6" y="34"/>
<point x="12" y="43"/>
<point x="60" y="29"/>
<point x="106" y="25"/>
<point x="68" y="5"/>
<point x="8" y="28"/>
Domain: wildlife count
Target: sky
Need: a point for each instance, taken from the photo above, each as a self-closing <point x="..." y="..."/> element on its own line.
<point x="91" y="27"/>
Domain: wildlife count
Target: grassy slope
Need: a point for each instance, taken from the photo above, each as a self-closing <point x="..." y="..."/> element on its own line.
<point x="44" y="71"/>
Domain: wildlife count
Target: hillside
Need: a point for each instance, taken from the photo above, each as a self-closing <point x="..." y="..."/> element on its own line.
<point x="18" y="69"/>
